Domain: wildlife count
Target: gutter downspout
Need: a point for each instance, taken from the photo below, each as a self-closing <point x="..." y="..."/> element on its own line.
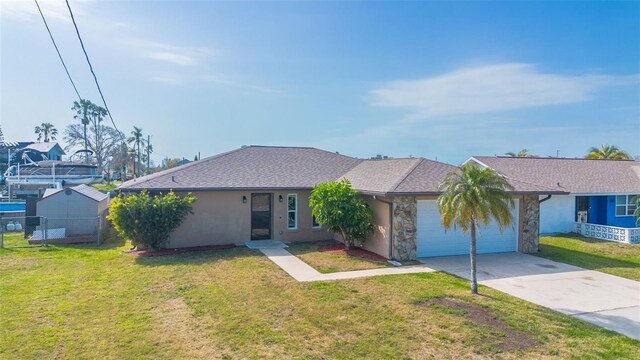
<point x="390" y="224"/>
<point x="545" y="199"/>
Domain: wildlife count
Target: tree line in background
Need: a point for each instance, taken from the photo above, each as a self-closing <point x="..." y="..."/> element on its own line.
<point x="116" y="154"/>
<point x="112" y="152"/>
<point x="605" y="151"/>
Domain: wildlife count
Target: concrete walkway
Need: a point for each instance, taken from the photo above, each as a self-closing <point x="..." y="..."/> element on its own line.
<point x="302" y="272"/>
<point x="605" y="300"/>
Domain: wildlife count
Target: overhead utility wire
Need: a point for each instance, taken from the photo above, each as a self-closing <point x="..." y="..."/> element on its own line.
<point x="58" y="51"/>
<point x="91" y="68"/>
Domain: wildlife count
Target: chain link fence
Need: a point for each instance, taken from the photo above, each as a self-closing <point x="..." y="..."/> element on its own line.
<point x="26" y="231"/>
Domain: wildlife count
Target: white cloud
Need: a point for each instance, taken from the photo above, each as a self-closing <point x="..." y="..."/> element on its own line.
<point x="178" y="59"/>
<point x="490" y="88"/>
<point x="227" y="82"/>
<point x="52" y="9"/>
<point x="178" y="55"/>
<point x="168" y="78"/>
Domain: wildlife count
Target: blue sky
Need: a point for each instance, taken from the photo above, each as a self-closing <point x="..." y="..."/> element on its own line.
<point x="439" y="80"/>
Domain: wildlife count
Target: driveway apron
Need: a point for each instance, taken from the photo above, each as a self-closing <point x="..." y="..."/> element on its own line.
<point x="605" y="300"/>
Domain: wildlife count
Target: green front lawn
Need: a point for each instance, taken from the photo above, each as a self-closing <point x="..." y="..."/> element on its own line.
<point x="95" y="302"/>
<point x="606" y="256"/>
<point x="326" y="262"/>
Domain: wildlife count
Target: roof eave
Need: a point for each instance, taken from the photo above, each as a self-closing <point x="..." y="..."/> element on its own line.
<point x="202" y="189"/>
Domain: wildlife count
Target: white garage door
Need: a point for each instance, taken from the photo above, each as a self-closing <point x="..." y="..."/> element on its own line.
<point x="432" y="240"/>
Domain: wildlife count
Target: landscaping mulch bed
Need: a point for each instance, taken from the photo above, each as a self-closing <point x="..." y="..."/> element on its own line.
<point x="338" y="249"/>
<point x="508" y="339"/>
<point x="164" y="252"/>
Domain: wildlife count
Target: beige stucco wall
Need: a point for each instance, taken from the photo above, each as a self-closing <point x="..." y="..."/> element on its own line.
<point x="378" y="242"/>
<point x="220" y="217"/>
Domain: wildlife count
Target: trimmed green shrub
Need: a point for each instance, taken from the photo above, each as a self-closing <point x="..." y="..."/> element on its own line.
<point x="148" y="220"/>
<point x="342" y="210"/>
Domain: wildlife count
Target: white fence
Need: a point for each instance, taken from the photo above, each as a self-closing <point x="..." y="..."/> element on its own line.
<point x="609" y="233"/>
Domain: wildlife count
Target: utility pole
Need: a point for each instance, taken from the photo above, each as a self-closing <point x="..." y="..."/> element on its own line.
<point x="148" y="148"/>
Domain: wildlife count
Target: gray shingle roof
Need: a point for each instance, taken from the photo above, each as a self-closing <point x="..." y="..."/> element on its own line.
<point x="252" y="167"/>
<point x="425" y="177"/>
<point x="90" y="192"/>
<point x="85" y="190"/>
<point x="271" y="167"/>
<point x="380" y="176"/>
<point x="572" y="175"/>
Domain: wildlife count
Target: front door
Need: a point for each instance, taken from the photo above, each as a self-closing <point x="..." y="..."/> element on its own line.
<point x="260" y="216"/>
<point x="582" y="209"/>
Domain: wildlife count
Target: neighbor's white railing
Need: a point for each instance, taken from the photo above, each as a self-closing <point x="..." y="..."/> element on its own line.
<point x="610" y="233"/>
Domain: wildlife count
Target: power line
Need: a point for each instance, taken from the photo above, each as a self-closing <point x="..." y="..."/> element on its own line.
<point x="58" y="51"/>
<point x="95" y="78"/>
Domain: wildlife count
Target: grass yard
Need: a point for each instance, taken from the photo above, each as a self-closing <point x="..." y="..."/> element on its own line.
<point x="107" y="186"/>
<point x="606" y="256"/>
<point x="328" y="262"/>
<point x="94" y="302"/>
<point x="14" y="239"/>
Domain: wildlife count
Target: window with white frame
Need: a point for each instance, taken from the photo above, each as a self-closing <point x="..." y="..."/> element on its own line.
<point x="292" y="211"/>
<point x="626" y="204"/>
<point x="314" y="223"/>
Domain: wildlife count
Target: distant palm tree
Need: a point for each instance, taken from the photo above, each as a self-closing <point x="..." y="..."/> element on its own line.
<point x="47" y="131"/>
<point x="147" y="155"/>
<point x="472" y="197"/>
<point x="137" y="139"/>
<point x="521" y="153"/>
<point x="83" y="111"/>
<point x="607" y="152"/>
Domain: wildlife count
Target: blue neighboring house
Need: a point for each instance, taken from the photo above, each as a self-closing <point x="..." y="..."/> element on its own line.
<point x="52" y="150"/>
<point x="601" y="192"/>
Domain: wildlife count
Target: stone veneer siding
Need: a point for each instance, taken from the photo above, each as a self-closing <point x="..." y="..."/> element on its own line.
<point x="529" y="237"/>
<point x="404" y="228"/>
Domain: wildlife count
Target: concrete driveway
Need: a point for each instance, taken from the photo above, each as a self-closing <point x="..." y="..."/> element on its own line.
<point x="605" y="300"/>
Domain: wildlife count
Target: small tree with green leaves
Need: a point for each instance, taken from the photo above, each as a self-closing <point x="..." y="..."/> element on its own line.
<point x="342" y="210"/>
<point x="637" y="212"/>
<point x="148" y="220"/>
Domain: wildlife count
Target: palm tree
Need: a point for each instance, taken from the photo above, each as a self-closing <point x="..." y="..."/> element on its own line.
<point x="83" y="110"/>
<point x="138" y="140"/>
<point x="47" y="131"/>
<point x="147" y="155"/>
<point x="472" y="197"/>
<point x="521" y="153"/>
<point x="607" y="152"/>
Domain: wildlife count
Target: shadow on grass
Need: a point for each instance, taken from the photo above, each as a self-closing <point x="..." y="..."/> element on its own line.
<point x="313" y="247"/>
<point x="197" y="257"/>
<point x="306" y="247"/>
<point x="582" y="258"/>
